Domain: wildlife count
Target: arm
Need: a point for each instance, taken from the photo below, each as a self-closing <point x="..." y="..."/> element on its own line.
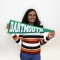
<point x="17" y="38"/>
<point x="43" y="40"/>
<point x="47" y="38"/>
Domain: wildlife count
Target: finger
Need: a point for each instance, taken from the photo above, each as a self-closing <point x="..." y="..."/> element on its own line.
<point x="53" y="33"/>
<point x="51" y="36"/>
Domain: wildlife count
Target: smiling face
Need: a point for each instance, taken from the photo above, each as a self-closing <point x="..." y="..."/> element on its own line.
<point x="31" y="17"/>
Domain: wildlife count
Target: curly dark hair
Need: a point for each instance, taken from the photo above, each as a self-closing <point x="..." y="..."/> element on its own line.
<point x="25" y="20"/>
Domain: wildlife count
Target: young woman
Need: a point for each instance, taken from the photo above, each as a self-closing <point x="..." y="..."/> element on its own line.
<point x="31" y="42"/>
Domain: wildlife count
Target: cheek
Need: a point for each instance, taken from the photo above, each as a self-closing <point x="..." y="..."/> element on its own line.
<point x="35" y="18"/>
<point x="29" y="18"/>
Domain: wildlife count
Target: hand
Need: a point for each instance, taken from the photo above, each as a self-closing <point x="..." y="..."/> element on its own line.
<point x="51" y="35"/>
<point x="7" y="26"/>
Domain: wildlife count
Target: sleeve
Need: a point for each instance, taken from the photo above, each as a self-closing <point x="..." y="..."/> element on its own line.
<point x="43" y="39"/>
<point x="17" y="38"/>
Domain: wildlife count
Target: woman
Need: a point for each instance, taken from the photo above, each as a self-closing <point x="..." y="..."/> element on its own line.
<point x="31" y="42"/>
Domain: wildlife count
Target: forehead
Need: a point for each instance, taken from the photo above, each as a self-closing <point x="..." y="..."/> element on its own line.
<point x="32" y="12"/>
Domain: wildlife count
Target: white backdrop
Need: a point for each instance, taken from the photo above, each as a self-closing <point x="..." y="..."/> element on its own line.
<point x="48" y="12"/>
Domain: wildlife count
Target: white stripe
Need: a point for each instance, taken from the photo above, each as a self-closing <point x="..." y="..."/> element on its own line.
<point x="12" y="34"/>
<point x="45" y="40"/>
<point x="31" y="34"/>
<point x="20" y="42"/>
<point x="31" y="45"/>
<point x="15" y="34"/>
<point x="36" y="34"/>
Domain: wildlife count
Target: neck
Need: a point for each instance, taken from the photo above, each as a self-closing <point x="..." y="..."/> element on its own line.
<point x="31" y="23"/>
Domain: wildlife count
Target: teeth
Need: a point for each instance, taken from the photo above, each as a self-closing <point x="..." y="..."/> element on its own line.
<point x="32" y="19"/>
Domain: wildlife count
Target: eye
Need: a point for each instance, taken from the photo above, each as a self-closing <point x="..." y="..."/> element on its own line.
<point x="34" y="14"/>
<point x="30" y="14"/>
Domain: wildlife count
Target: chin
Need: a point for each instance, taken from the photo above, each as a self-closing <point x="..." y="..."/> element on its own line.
<point x="32" y="22"/>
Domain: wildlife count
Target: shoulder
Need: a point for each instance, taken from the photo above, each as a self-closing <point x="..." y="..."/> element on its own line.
<point x="41" y="25"/>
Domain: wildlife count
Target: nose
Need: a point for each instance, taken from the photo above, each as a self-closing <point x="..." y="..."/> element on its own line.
<point x="32" y="15"/>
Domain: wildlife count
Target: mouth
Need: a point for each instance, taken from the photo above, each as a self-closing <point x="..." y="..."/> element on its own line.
<point x="32" y="19"/>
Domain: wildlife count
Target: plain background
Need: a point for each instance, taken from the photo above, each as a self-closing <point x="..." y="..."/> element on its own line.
<point x="48" y="12"/>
